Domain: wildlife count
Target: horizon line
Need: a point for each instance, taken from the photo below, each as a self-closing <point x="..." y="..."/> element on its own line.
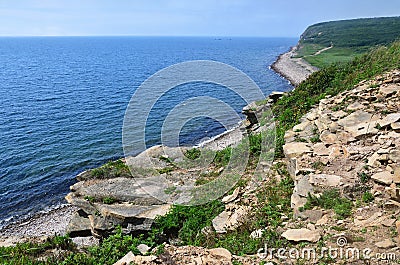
<point x="128" y="35"/>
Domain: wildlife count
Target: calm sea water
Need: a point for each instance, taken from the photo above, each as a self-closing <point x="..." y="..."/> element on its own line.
<point x="63" y="101"/>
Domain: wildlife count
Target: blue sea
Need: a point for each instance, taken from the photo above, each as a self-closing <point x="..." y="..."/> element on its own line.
<point x="63" y="101"/>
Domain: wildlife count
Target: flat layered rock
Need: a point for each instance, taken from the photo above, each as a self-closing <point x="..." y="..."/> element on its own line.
<point x="228" y="220"/>
<point x="297" y="201"/>
<point x="303" y="186"/>
<point x="302" y="234"/>
<point x="122" y="189"/>
<point x="355" y="106"/>
<point x="374" y="220"/>
<point x="302" y="126"/>
<point x="389" y="119"/>
<point x="385" y="244"/>
<point x="154" y="157"/>
<point x="127" y="210"/>
<point x="384" y="177"/>
<point x="221" y="253"/>
<point x="395" y="126"/>
<point x="355" y="118"/>
<point x="311" y="215"/>
<point x="127" y="259"/>
<point x="362" y="129"/>
<point x="79" y="226"/>
<point x="328" y="138"/>
<point x="320" y="149"/>
<point x="389" y="90"/>
<point x="325" y="180"/>
<point x="296" y="149"/>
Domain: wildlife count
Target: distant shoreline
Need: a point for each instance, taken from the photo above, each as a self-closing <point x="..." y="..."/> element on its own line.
<point x="295" y="70"/>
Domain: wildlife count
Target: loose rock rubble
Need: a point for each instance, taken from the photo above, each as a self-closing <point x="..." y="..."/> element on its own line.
<point x="189" y="255"/>
<point x="351" y="143"/>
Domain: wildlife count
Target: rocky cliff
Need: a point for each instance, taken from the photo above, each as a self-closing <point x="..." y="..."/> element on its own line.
<point x="344" y="160"/>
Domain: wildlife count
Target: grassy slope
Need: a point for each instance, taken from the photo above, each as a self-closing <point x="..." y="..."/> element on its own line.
<point x="348" y="37"/>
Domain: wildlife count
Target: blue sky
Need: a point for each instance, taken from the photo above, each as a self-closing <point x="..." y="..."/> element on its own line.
<point x="278" y="18"/>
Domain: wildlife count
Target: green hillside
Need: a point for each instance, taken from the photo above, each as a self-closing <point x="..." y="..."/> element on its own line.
<point x="346" y="39"/>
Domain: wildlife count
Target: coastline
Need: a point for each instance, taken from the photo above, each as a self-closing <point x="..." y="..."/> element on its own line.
<point x="38" y="225"/>
<point x="55" y="221"/>
<point x="295" y="70"/>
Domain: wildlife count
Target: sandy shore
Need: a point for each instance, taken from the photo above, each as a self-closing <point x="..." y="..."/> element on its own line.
<point x="293" y="69"/>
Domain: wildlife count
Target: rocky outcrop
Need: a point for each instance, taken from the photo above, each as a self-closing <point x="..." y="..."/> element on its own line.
<point x="259" y="112"/>
<point x="131" y="202"/>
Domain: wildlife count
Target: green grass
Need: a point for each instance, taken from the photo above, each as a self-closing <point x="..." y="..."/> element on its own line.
<point x="310" y="49"/>
<point x="112" y="169"/>
<point x="193" y="153"/>
<point x="186" y="222"/>
<point x="318" y="165"/>
<point x="333" y="55"/>
<point x="364" y="177"/>
<point x="354" y="32"/>
<point x="170" y="190"/>
<point x="166" y="170"/>
<point x="368" y="197"/>
<point x="182" y="222"/>
<point x="222" y="157"/>
<point x="348" y="37"/>
<point x="109" y="200"/>
<point x="28" y="253"/>
<point x="90" y="199"/>
<point x="315" y="139"/>
<point x="206" y="178"/>
<point x="331" y="199"/>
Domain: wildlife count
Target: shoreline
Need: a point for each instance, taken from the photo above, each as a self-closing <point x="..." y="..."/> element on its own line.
<point x="295" y="70"/>
<point x="55" y="221"/>
<point x="38" y="225"/>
